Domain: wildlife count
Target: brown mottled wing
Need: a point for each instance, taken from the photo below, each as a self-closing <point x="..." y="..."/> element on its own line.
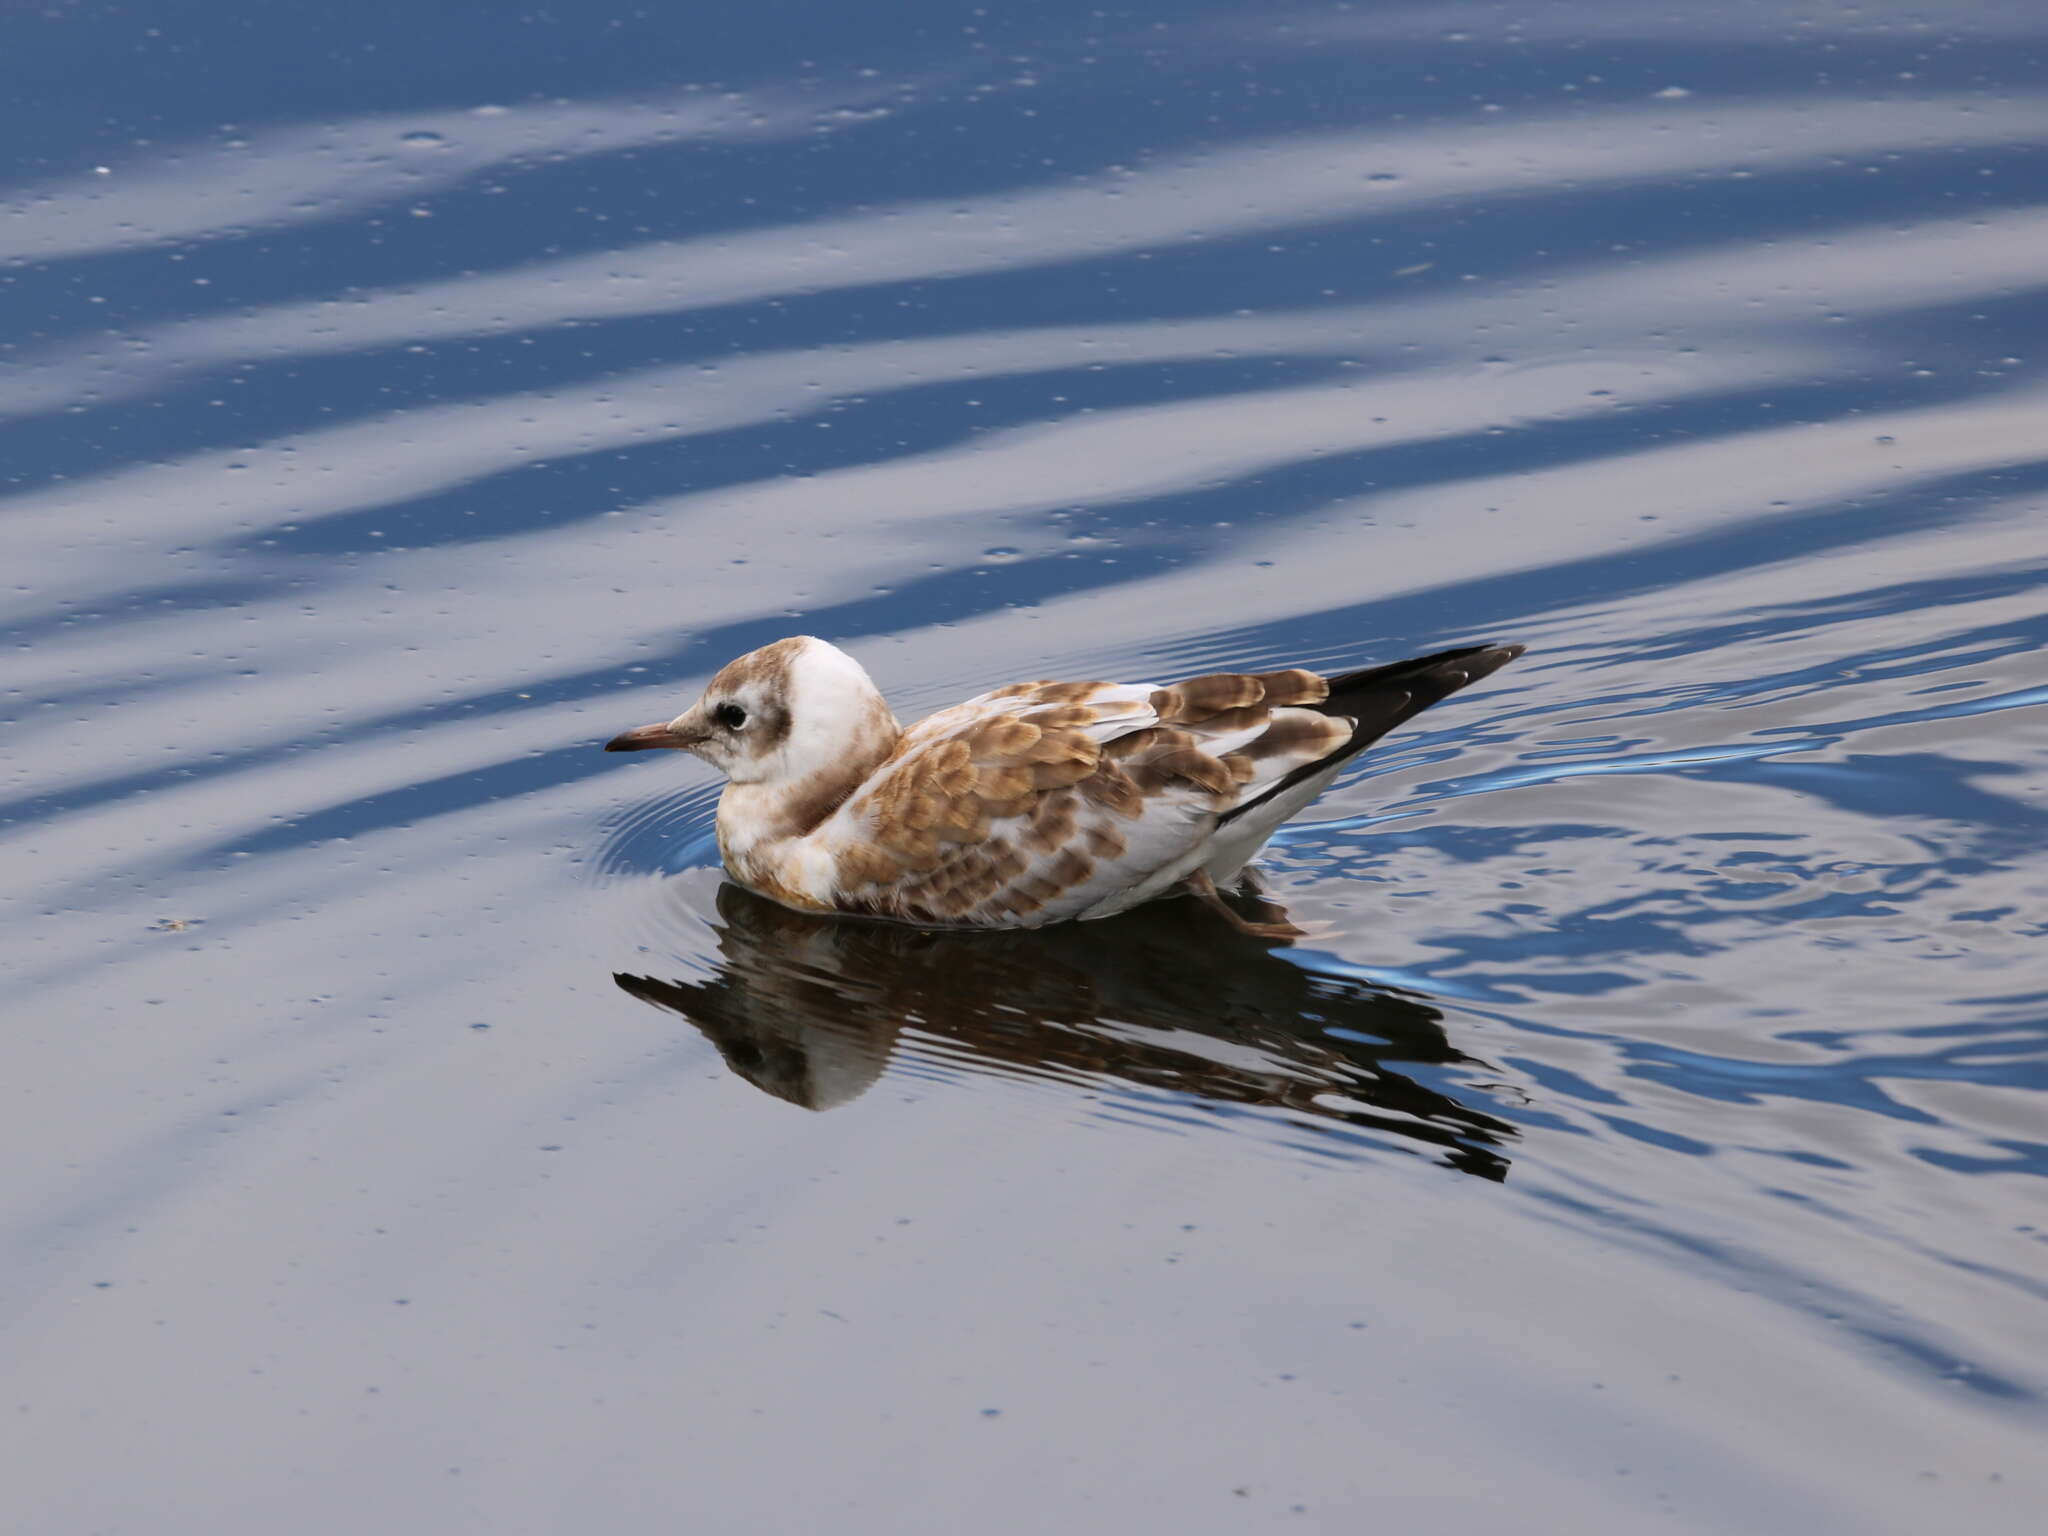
<point x="1044" y="801"/>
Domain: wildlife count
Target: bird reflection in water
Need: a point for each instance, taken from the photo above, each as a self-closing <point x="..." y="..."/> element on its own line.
<point x="1168" y="997"/>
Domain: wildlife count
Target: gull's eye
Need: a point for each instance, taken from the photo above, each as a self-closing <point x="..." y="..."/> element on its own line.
<point x="731" y="716"/>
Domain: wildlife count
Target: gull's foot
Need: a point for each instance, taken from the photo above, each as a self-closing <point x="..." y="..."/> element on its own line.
<point x="1275" y="930"/>
<point x="1279" y="933"/>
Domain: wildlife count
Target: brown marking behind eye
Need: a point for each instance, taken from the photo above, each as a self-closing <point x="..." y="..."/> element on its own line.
<point x="766" y="673"/>
<point x="767" y="729"/>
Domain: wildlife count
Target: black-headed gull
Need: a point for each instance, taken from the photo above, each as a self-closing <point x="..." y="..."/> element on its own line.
<point x="1035" y="803"/>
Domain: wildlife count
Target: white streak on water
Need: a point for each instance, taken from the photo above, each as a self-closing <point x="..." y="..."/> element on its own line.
<point x="1227" y="193"/>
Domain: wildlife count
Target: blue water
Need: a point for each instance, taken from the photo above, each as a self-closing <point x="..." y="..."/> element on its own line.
<point x="400" y="401"/>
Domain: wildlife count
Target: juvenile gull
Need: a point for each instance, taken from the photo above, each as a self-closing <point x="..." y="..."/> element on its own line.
<point x="1036" y="803"/>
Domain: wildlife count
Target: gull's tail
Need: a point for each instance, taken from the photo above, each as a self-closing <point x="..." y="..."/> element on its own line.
<point x="1375" y="700"/>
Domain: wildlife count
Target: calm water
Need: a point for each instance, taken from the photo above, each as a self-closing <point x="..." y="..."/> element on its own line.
<point x="406" y="1129"/>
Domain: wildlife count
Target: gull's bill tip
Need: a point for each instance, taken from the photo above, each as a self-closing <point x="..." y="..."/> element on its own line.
<point x="643" y="737"/>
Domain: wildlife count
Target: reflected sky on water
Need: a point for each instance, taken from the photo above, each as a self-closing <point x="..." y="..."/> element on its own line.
<point x="400" y="402"/>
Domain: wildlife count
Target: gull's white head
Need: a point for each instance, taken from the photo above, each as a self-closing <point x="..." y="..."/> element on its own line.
<point x="795" y="711"/>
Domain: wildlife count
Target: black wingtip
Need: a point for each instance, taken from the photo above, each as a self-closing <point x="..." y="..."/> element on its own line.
<point x="1437" y="675"/>
<point x="1377" y="699"/>
<point x="1486" y="660"/>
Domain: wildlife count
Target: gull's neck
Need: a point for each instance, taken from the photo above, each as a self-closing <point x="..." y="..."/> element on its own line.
<point x="762" y="825"/>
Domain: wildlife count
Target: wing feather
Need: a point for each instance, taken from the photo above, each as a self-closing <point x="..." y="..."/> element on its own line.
<point x="1044" y="801"/>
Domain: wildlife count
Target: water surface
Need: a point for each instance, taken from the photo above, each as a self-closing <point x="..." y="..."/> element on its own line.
<point x="409" y="1128"/>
